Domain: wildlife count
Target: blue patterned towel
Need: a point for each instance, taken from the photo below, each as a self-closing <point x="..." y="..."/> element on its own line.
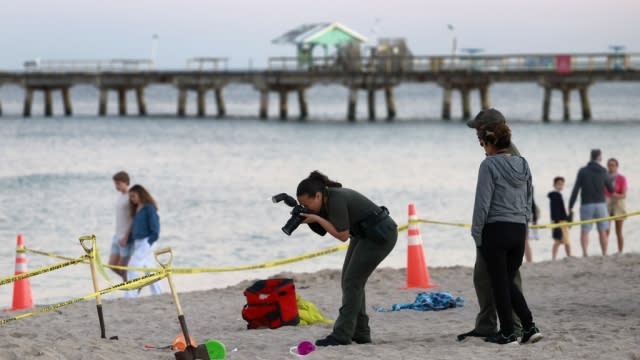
<point x="429" y="301"/>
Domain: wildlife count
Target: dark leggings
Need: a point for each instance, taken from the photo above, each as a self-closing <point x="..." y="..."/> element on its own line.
<point x="502" y="248"/>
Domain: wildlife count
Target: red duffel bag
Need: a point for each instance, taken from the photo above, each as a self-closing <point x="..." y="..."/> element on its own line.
<point x="271" y="304"/>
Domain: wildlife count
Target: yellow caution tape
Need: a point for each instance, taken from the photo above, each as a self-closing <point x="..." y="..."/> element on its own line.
<point x="44" y="253"/>
<point x="131" y="284"/>
<point x="264" y="265"/>
<point x="42" y="270"/>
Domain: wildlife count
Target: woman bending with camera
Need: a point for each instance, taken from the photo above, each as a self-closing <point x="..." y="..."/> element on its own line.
<point x="345" y="213"/>
<point x="500" y="216"/>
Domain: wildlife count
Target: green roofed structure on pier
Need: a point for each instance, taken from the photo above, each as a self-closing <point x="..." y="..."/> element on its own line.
<point x="306" y="37"/>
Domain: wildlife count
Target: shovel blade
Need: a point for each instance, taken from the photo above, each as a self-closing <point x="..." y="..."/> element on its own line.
<point x="200" y="353"/>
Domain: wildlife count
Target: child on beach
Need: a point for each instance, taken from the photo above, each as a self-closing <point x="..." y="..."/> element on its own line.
<point x="120" y="254"/>
<point x="559" y="215"/>
<point x="145" y="229"/>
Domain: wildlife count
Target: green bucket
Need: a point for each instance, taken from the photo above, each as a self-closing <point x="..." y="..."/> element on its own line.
<point x="215" y="349"/>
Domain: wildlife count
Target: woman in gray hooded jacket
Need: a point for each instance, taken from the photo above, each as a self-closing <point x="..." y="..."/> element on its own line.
<point x="501" y="212"/>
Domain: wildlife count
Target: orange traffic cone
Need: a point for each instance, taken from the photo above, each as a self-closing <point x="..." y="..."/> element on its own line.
<point x="417" y="271"/>
<point x="22" y="288"/>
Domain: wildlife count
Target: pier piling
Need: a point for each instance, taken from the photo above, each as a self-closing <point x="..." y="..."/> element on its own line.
<point x="102" y="105"/>
<point x="284" y="97"/>
<point x="302" y="101"/>
<point x="446" y="103"/>
<point x="391" y="104"/>
<point x="586" y="105"/>
<point x="546" y="104"/>
<point x="142" y="105"/>
<point x="466" y="104"/>
<point x="222" y="111"/>
<point x="352" y="105"/>
<point x="66" y="101"/>
<point x="182" y="102"/>
<point x="202" y="102"/>
<point x="48" y="103"/>
<point x="566" y="99"/>
<point x="122" y="101"/>
<point x="264" y="104"/>
<point x="372" y="104"/>
<point x="28" y="100"/>
<point x="484" y="97"/>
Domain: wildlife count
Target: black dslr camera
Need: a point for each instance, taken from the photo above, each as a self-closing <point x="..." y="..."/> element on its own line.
<point x="296" y="219"/>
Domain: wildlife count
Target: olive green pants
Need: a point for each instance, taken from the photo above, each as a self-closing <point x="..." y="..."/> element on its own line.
<point x="487" y="319"/>
<point x="363" y="257"/>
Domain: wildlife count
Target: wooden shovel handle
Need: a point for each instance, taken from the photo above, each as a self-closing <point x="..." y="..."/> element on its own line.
<point x="160" y="252"/>
<point x="92" y="238"/>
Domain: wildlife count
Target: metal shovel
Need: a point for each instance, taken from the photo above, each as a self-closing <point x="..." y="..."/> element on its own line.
<point x="191" y="352"/>
<point x="92" y="264"/>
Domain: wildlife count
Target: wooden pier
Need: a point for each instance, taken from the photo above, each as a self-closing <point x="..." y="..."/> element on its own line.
<point x="465" y="74"/>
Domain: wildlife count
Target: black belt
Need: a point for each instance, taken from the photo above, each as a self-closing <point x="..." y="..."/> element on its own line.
<point x="369" y="221"/>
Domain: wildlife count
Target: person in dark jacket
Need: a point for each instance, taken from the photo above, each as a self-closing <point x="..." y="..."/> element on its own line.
<point x="558" y="215"/>
<point x="590" y="183"/>
<point x="346" y="214"/>
<point x="501" y="212"/>
<point x="145" y="229"/>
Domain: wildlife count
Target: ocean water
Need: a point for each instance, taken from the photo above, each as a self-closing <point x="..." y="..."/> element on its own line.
<point x="213" y="179"/>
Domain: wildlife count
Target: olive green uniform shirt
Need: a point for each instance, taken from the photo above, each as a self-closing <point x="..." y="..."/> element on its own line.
<point x="346" y="207"/>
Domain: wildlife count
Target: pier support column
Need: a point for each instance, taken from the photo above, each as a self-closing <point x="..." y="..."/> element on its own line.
<point x="352" y="106"/>
<point x="391" y="104"/>
<point x="566" y="98"/>
<point x="446" y="103"/>
<point x="142" y="104"/>
<point x="586" y="105"/>
<point x="372" y="104"/>
<point x="466" y="104"/>
<point x="48" y="103"/>
<point x="484" y="97"/>
<point x="546" y="104"/>
<point x="28" y="100"/>
<point x="284" y="97"/>
<point x="122" y="101"/>
<point x="264" y="104"/>
<point x="66" y="102"/>
<point x="102" y="102"/>
<point x="222" y="111"/>
<point x="202" y="103"/>
<point x="182" y="102"/>
<point x="302" y="101"/>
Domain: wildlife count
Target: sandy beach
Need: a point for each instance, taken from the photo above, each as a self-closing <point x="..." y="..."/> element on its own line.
<point x="586" y="308"/>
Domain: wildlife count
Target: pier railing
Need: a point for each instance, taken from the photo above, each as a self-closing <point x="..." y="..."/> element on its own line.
<point x="112" y="65"/>
<point x="480" y="63"/>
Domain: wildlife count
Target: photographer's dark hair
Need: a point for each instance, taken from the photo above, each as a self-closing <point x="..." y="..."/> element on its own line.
<point x="497" y="134"/>
<point x="316" y="182"/>
<point x="557" y="178"/>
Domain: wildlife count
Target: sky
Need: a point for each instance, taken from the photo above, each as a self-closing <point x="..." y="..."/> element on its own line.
<point x="242" y="30"/>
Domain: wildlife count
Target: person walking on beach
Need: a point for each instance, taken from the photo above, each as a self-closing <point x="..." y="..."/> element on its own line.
<point x="486" y="321"/>
<point x="120" y="254"/>
<point x="590" y="183"/>
<point x="345" y="213"/>
<point x="145" y="229"/>
<point x="501" y="212"/>
<point x="559" y="215"/>
<point x="616" y="199"/>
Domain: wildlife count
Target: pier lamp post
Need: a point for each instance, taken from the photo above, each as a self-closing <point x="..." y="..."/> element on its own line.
<point x="454" y="43"/>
